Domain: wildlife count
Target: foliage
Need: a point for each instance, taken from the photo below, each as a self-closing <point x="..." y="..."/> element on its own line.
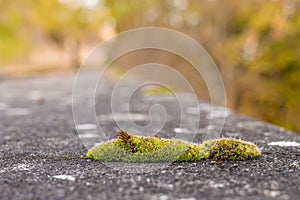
<point x="131" y="148"/>
<point x="157" y="91"/>
<point x="25" y="24"/>
<point x="254" y="43"/>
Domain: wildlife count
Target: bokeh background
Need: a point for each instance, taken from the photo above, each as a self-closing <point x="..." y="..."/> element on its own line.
<point x="255" y="44"/>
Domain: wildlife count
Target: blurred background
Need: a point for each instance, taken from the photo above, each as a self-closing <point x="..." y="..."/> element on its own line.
<point x="254" y="43"/>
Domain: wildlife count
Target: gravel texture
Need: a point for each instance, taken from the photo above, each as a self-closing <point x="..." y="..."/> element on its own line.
<point x="42" y="156"/>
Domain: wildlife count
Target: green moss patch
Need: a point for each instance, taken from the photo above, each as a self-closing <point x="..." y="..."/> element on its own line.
<point x="153" y="91"/>
<point x="131" y="148"/>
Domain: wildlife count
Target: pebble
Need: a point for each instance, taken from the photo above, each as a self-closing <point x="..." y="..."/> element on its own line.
<point x="284" y="144"/>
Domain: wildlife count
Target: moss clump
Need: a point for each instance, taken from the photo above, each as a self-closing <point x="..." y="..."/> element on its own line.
<point x="131" y="148"/>
<point x="157" y="91"/>
<point x="135" y="144"/>
<point x="233" y="149"/>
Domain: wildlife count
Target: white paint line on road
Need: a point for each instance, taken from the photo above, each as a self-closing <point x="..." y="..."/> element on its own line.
<point x="181" y="130"/>
<point x="218" y="113"/>
<point x="213" y="111"/>
<point x="65" y="177"/>
<point x="284" y="144"/>
<point x="88" y="135"/>
<point x="250" y="124"/>
<point x="3" y="106"/>
<point x="210" y="127"/>
<point x="196" y="110"/>
<point x="66" y="101"/>
<point x="86" y="126"/>
<point x="17" y="111"/>
<point x="122" y="117"/>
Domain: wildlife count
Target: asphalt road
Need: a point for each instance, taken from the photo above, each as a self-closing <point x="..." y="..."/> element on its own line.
<point x="42" y="156"/>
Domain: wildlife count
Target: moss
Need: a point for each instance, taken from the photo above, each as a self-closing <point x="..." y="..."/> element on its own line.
<point x="137" y="144"/>
<point x="233" y="149"/>
<point x="131" y="148"/>
<point x="153" y="91"/>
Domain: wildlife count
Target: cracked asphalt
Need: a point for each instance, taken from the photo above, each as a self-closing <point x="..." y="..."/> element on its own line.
<point x="42" y="156"/>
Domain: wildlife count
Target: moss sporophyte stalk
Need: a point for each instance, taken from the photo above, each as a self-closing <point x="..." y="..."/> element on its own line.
<point x="132" y="148"/>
